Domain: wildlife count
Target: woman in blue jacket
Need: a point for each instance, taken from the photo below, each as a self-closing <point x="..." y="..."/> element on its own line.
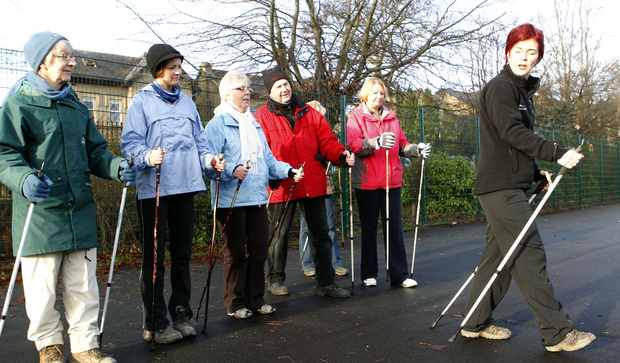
<point x="163" y="130"/>
<point x="250" y="165"/>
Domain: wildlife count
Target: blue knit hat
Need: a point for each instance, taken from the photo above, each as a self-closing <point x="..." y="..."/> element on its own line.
<point x="38" y="46"/>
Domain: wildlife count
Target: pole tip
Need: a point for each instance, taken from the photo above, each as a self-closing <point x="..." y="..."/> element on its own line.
<point x="453" y="338"/>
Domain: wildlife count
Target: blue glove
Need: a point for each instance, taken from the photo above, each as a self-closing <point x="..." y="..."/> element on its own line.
<point x="126" y="172"/>
<point x="37" y="189"/>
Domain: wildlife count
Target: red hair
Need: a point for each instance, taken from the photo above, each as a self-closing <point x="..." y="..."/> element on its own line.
<point x="525" y="32"/>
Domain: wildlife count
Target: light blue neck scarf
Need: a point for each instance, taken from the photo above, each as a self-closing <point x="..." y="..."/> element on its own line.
<point x="42" y="86"/>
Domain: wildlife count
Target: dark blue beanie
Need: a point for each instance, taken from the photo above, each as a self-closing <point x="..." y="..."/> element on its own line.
<point x="38" y="46"/>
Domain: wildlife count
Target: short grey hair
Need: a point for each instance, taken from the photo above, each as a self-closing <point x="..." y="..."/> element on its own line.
<point x="231" y="80"/>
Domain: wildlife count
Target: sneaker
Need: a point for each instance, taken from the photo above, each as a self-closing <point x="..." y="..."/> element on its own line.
<point x="332" y="290"/>
<point x="147" y="335"/>
<point x="242" y="313"/>
<point x="370" y="282"/>
<point x="310" y="272"/>
<point x="184" y="327"/>
<point x="278" y="289"/>
<point x="266" y="309"/>
<point x="183" y="324"/>
<point x="409" y="283"/>
<point x="573" y="341"/>
<point x="94" y="355"/>
<point x="167" y="336"/>
<point x="493" y="332"/>
<point x="52" y="354"/>
<point x="341" y="271"/>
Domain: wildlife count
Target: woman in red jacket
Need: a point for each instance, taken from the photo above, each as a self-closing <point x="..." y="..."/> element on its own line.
<point x="299" y="135"/>
<point x="372" y="128"/>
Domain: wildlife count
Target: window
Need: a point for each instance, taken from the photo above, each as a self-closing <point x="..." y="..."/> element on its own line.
<point x="89" y="102"/>
<point x="115" y="112"/>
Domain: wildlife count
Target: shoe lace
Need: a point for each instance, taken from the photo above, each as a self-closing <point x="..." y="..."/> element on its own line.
<point x="53" y="352"/>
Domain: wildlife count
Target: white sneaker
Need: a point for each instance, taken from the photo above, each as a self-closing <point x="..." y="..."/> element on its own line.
<point x="409" y="283"/>
<point x="370" y="282"/>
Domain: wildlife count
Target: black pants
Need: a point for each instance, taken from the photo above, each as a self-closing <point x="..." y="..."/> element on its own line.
<point x="371" y="203"/>
<point x="175" y="230"/>
<point x="507" y="212"/>
<point x="314" y="212"/>
<point x="246" y="236"/>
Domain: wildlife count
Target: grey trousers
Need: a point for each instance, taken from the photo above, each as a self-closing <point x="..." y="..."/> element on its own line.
<point x="507" y="212"/>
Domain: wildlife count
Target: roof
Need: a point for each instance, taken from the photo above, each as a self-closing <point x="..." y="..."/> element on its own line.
<point x="107" y="67"/>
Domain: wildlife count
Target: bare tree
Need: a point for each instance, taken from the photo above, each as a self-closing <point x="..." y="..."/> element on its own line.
<point x="330" y="46"/>
<point x="577" y="83"/>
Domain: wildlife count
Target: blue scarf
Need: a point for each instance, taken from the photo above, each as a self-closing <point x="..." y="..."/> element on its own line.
<point x="170" y="97"/>
<point x="42" y="86"/>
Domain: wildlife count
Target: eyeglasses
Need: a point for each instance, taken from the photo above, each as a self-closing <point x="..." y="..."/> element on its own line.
<point x="65" y="57"/>
<point x="243" y="89"/>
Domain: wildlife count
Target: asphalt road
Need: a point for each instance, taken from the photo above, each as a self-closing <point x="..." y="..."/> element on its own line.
<point x="384" y="324"/>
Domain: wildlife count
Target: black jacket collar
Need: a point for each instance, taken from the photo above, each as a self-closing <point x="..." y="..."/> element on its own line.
<point x="527" y="85"/>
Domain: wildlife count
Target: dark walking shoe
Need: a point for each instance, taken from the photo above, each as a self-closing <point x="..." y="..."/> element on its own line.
<point x="52" y="354"/>
<point x="573" y="341"/>
<point x="332" y="290"/>
<point x="492" y="332"/>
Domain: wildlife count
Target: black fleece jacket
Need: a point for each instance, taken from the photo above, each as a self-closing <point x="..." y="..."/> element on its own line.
<point x="508" y="144"/>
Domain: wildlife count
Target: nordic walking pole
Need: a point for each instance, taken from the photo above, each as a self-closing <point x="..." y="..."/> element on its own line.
<point x="417" y="216"/>
<point x="18" y="258"/>
<point x="218" y="180"/>
<point x="513" y="247"/>
<point x="155" y="236"/>
<point x="304" y="249"/>
<point x="282" y="215"/>
<point x="117" y="234"/>
<point x="214" y="254"/>
<point x="538" y="189"/>
<point x="351" y="240"/>
<point x="387" y="214"/>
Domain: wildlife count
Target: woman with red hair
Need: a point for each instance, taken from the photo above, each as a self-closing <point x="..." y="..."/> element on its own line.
<point x="505" y="170"/>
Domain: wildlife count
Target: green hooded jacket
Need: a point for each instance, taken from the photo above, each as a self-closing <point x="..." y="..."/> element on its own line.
<point x="34" y="129"/>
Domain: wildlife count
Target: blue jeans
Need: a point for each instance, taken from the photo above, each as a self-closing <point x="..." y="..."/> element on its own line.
<point x="307" y="260"/>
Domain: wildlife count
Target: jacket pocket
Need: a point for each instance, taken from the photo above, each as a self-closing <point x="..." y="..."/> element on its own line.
<point x="177" y="133"/>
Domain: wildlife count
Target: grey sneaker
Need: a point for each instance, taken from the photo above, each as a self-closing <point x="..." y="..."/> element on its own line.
<point x="52" y="354"/>
<point x="332" y="290"/>
<point x="91" y="356"/>
<point x="492" y="332"/>
<point x="183" y="324"/>
<point x="147" y="335"/>
<point x="310" y="272"/>
<point x="167" y="336"/>
<point x="278" y="289"/>
<point x="573" y="341"/>
<point x="266" y="309"/>
<point x="242" y="313"/>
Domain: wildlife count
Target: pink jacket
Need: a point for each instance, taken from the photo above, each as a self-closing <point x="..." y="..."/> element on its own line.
<point x="369" y="171"/>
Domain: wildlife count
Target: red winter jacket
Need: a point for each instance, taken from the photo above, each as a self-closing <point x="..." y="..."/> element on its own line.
<point x="310" y="138"/>
<point x="369" y="170"/>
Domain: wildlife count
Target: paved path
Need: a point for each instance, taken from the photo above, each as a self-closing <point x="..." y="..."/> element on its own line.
<point x="384" y="324"/>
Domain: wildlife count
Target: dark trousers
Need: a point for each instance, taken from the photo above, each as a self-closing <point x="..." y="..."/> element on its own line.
<point x="507" y="212"/>
<point x="175" y="230"/>
<point x="371" y="204"/>
<point x="314" y="212"/>
<point x="246" y="235"/>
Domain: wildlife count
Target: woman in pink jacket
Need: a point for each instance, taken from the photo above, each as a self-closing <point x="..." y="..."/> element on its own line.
<point x="372" y="129"/>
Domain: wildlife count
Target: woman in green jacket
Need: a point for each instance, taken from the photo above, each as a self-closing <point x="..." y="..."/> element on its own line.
<point x="44" y="126"/>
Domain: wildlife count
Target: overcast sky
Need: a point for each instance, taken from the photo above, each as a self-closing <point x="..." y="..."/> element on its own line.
<point x="106" y="26"/>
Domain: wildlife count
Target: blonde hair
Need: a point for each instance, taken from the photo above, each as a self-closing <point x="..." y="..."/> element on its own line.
<point x="366" y="89"/>
<point x="317" y="106"/>
<point x="230" y="80"/>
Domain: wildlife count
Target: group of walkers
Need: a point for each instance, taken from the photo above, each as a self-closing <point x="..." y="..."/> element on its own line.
<point x="278" y="157"/>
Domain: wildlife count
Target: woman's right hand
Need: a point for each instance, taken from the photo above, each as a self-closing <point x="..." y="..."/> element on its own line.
<point x="156" y="156"/>
<point x="218" y="162"/>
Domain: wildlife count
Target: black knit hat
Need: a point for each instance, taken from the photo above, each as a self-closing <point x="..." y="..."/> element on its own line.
<point x="271" y="76"/>
<point x="158" y="54"/>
